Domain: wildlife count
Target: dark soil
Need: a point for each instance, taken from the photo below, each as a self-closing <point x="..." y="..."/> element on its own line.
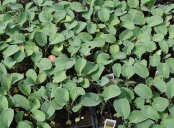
<point x="108" y="113"/>
<point x="62" y="116"/>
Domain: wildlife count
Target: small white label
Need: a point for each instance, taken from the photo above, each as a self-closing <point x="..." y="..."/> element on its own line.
<point x="110" y="76"/>
<point x="156" y="73"/>
<point x="110" y="123"/>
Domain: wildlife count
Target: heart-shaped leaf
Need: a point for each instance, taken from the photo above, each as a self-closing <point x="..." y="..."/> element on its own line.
<point x="6" y="117"/>
<point x="44" y="64"/>
<point x="110" y="92"/>
<point x="143" y="91"/>
<point x="21" y="101"/>
<point x="38" y="115"/>
<point x="136" y="117"/>
<point x="160" y="103"/>
<point x="122" y="107"/>
<point x="150" y="112"/>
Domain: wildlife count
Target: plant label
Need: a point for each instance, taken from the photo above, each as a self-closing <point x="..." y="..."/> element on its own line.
<point x="110" y="76"/>
<point x="110" y="123"/>
<point x="156" y="73"/>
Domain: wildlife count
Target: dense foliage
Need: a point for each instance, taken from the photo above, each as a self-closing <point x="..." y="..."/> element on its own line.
<point x="55" y="55"/>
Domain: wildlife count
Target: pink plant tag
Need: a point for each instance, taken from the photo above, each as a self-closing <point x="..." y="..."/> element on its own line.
<point x="109" y="123"/>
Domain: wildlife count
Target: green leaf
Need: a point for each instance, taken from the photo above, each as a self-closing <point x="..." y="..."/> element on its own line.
<point x="116" y="69"/>
<point x="26" y="90"/>
<point x="139" y="49"/>
<point x="78" y="7"/>
<point x="84" y="36"/>
<point x="157" y="126"/>
<point x="109" y="38"/>
<point x="17" y="38"/>
<point x="170" y="89"/>
<point x="104" y="14"/>
<point x="77" y="107"/>
<point x="48" y="109"/>
<point x="56" y="38"/>
<point x="45" y="16"/>
<point x="118" y="56"/>
<point x="160" y="84"/>
<point x="143" y="37"/>
<point x="110" y="92"/>
<point x="154" y="60"/>
<point x="96" y="74"/>
<point x="160" y="103"/>
<point x="71" y="25"/>
<point x="154" y="20"/>
<point x="90" y="99"/>
<point x="63" y="62"/>
<point x="141" y="70"/>
<point x="128" y="24"/>
<point x="136" y="117"/>
<point x="157" y="12"/>
<point x="150" y="46"/>
<point x="79" y="65"/>
<point x="59" y="76"/>
<point x="32" y="74"/>
<point x="23" y="124"/>
<point x="19" y="116"/>
<point x="158" y="37"/>
<point x="130" y="72"/>
<point x="6" y="81"/>
<point x="61" y="96"/>
<point x="127" y="93"/>
<point x="139" y="102"/>
<point x="102" y="58"/>
<point x="137" y="17"/>
<point x="91" y="27"/>
<point x="171" y="109"/>
<point x="41" y="77"/>
<point x="85" y="83"/>
<point x="75" y="92"/>
<point x="21" y="101"/>
<point x="41" y="38"/>
<point x="75" y="41"/>
<point x="164" y="46"/>
<point x="170" y="63"/>
<point x="161" y="29"/>
<point x="38" y="2"/>
<point x="59" y="15"/>
<point x="143" y="91"/>
<point x="133" y="3"/>
<point x="163" y="70"/>
<point x="6" y="117"/>
<point x="81" y="25"/>
<point x="122" y="107"/>
<point x="104" y="80"/>
<point x="150" y="112"/>
<point x="38" y="115"/>
<point x="10" y="50"/>
<point x="3" y="103"/>
<point x="167" y="123"/>
<point x="114" y="48"/>
<point x="44" y="64"/>
<point x="125" y="35"/>
<point x="35" y="103"/>
<point x="21" y="18"/>
<point x="90" y="67"/>
<point x="49" y="28"/>
<point x="2" y="69"/>
<point x="9" y="62"/>
<point x="145" y="124"/>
